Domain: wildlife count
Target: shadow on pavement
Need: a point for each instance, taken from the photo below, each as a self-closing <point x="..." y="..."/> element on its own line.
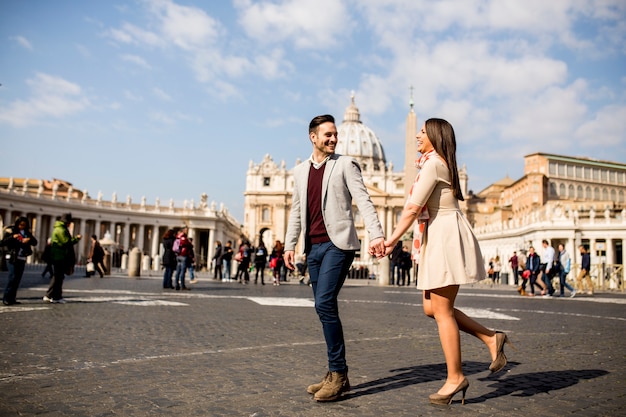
<point x="410" y="376"/>
<point x="522" y="385"/>
<point x="533" y="383"/>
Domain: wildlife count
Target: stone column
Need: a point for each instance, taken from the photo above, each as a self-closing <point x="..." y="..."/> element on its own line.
<point x="84" y="239"/>
<point x="140" y="237"/>
<point x="156" y="239"/>
<point x="126" y="233"/>
<point x="97" y="231"/>
<point x="7" y="219"/>
<point x="38" y="233"/>
<point x="211" y="248"/>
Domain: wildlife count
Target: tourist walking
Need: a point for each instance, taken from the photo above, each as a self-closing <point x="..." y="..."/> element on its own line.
<point x="63" y="258"/>
<point x="217" y="261"/>
<point x="96" y="256"/>
<point x="168" y="261"/>
<point x="19" y="242"/>
<point x="260" y="259"/>
<point x="565" y="265"/>
<point x="585" y="267"/>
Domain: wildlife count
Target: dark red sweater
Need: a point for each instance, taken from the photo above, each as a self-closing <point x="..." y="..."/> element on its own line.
<point x="316" y="226"/>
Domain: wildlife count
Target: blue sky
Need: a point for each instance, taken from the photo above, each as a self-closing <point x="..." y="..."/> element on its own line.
<point x="172" y="99"/>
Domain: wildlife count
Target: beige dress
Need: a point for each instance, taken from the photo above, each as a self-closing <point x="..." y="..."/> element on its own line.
<point x="449" y="253"/>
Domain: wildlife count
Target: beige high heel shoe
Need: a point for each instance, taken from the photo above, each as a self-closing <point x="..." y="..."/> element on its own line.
<point x="500" y="361"/>
<point x="447" y="399"/>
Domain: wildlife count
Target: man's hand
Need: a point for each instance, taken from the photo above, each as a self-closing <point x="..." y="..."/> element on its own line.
<point x="377" y="247"/>
<point x="289" y="257"/>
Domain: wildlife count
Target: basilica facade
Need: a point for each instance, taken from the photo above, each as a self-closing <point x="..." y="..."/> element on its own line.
<point x="570" y="200"/>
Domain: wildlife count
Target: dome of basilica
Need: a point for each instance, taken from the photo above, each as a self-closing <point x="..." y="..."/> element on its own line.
<point x="359" y="141"/>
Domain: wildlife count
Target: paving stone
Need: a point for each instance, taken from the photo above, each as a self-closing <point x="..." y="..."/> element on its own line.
<point x="123" y="346"/>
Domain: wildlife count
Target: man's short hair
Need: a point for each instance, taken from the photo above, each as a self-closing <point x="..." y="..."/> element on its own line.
<point x="318" y="120"/>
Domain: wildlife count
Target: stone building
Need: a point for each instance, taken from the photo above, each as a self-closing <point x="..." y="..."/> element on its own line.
<point x="566" y="200"/>
<point x="125" y="224"/>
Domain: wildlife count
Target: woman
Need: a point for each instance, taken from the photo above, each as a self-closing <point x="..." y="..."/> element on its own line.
<point x="442" y="238"/>
<point x="96" y="256"/>
<point x="260" y="259"/>
<point x="497" y="267"/>
<point x="276" y="259"/>
<point x="169" y="259"/>
<point x="19" y="241"/>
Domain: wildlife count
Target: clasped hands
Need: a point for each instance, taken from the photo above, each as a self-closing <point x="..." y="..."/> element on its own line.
<point x="380" y="248"/>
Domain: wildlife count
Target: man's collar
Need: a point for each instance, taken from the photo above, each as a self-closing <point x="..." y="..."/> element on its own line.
<point x="318" y="165"/>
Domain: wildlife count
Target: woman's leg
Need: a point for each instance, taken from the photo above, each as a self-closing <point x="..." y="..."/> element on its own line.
<point x="442" y="308"/>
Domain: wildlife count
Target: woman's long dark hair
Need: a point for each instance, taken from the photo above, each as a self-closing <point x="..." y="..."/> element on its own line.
<point x="441" y="135"/>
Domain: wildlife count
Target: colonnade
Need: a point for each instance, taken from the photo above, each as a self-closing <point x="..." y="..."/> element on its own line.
<point x="126" y="227"/>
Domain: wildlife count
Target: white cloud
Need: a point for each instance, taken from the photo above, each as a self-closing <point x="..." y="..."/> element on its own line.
<point x="137" y="60"/>
<point x="22" y="41"/>
<point x="187" y="27"/>
<point x="161" y="94"/>
<point x="608" y="128"/>
<point x="131" y="34"/>
<point x="310" y="24"/>
<point x="51" y="97"/>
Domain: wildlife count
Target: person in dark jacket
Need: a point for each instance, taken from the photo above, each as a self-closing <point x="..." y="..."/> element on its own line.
<point x="533" y="266"/>
<point x="47" y="258"/>
<point x="19" y="241"/>
<point x="182" y="255"/>
<point x="169" y="259"/>
<point x="585" y="267"/>
<point x="96" y="256"/>
<point x="63" y="258"/>
<point x="217" y="257"/>
<point x="260" y="259"/>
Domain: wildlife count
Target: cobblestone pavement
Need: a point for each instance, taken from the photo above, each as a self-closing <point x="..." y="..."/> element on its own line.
<point x="124" y="346"/>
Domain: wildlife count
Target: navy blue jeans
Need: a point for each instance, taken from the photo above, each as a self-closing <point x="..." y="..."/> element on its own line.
<point x="328" y="269"/>
<point x="16" y="270"/>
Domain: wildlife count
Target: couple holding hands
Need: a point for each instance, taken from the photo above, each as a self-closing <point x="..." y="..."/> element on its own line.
<point x="449" y="255"/>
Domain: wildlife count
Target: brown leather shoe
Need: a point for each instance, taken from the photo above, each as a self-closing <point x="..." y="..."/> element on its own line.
<point x="336" y="384"/>
<point x="313" y="388"/>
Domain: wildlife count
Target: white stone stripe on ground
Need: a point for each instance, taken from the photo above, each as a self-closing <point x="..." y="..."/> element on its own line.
<point x="76" y="367"/>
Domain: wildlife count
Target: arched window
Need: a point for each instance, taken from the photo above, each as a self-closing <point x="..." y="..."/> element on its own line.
<point x="596" y="193"/>
<point x="588" y="195"/>
<point x="553" y="189"/>
<point x="570" y="192"/>
<point x="579" y="192"/>
<point x="621" y="196"/>
<point x="605" y="194"/>
<point x="562" y="192"/>
<point x="613" y="195"/>
<point x="265" y="215"/>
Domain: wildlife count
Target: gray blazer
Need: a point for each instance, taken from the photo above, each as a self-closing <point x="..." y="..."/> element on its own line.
<point x="341" y="184"/>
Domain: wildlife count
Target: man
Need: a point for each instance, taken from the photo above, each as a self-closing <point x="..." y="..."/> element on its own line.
<point x="63" y="258"/>
<point x="514" y="261"/>
<point x="405" y="265"/>
<point x="183" y="249"/>
<point x="533" y="266"/>
<point x="395" y="260"/>
<point x="324" y="188"/>
<point x="585" y="266"/>
<point x="547" y="267"/>
<point x="19" y="242"/>
<point x="565" y="263"/>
